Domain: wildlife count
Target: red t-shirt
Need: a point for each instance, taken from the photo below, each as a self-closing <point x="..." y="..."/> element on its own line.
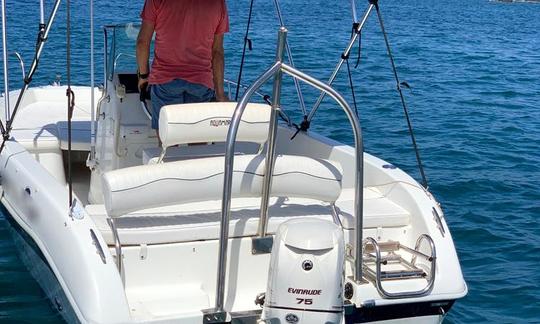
<point x="185" y="32"/>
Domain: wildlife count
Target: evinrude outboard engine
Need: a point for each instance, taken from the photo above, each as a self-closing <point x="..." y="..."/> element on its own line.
<point x="305" y="282"/>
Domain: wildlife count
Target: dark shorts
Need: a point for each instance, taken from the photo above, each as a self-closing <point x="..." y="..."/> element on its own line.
<point x="177" y="92"/>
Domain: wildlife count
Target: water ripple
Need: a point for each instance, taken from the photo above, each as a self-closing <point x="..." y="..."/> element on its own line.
<point x="474" y="69"/>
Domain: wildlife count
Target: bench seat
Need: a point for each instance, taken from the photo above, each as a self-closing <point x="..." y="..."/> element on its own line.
<point x="41" y="126"/>
<point x="379" y="211"/>
<point x="201" y="221"/>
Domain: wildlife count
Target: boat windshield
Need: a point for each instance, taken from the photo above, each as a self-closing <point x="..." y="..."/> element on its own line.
<point x="121" y="43"/>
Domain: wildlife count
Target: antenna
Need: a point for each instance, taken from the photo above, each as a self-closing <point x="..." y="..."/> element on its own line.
<point x="6" y="66"/>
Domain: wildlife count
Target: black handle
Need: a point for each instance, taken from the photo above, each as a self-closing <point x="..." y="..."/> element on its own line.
<point x="144" y="92"/>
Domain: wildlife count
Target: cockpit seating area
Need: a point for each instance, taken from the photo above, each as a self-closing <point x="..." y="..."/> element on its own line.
<point x="175" y="195"/>
<point x="199" y="179"/>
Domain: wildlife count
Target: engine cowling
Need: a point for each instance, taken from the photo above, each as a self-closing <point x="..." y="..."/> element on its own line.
<point x="305" y="281"/>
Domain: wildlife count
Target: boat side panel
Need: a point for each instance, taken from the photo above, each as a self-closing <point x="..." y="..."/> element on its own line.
<point x="317" y="146"/>
<point x="39" y="204"/>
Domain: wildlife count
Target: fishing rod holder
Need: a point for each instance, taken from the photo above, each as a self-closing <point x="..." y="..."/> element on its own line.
<point x="276" y="71"/>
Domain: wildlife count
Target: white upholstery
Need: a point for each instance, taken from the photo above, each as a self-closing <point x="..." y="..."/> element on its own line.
<point x="209" y="122"/>
<point x="38" y="139"/>
<point x="379" y="211"/>
<point x="141" y="187"/>
<point x="80" y="135"/>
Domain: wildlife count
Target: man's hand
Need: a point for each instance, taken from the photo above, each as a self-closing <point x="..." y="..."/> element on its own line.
<point x="143" y="84"/>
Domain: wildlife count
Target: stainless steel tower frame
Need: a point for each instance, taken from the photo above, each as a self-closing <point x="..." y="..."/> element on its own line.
<point x="276" y="70"/>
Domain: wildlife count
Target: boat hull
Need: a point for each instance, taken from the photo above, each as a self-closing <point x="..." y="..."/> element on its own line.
<point x="36" y="263"/>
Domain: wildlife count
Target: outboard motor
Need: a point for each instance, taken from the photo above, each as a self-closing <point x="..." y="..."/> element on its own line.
<point x="305" y="281"/>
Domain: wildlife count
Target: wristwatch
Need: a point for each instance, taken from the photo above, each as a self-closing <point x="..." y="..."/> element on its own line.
<point x="142" y="75"/>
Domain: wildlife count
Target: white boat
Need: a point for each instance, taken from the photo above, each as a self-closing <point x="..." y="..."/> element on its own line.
<point x="119" y="230"/>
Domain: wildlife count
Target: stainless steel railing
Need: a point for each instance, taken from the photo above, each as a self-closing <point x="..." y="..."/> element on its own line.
<point x="21" y="63"/>
<point x="272" y="134"/>
<point x="412" y="272"/>
<point x="227" y="183"/>
<point x="276" y="71"/>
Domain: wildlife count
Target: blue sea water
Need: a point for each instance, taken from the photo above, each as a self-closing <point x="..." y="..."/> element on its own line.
<point x="474" y="69"/>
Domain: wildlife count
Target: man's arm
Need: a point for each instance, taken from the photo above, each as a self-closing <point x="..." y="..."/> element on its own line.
<point x="143" y="50"/>
<point x="218" y="67"/>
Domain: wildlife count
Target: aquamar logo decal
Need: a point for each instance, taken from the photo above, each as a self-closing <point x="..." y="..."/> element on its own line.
<point x="220" y="122"/>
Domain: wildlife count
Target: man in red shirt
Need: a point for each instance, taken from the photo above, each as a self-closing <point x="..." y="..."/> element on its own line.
<point x="188" y="63"/>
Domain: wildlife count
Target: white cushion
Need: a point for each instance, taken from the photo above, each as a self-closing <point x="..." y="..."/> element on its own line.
<point x="38" y="139"/>
<point x="209" y="122"/>
<point x="141" y="187"/>
<point x="379" y="212"/>
<point x="80" y="135"/>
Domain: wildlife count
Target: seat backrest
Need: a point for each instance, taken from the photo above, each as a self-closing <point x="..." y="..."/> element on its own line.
<point x="149" y="186"/>
<point x="209" y="122"/>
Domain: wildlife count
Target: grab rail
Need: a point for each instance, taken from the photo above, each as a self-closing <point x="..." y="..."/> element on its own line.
<point x="276" y="70"/>
<point x="117" y="58"/>
<point x="21" y="63"/>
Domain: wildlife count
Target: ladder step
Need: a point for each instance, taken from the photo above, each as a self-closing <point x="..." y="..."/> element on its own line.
<point x="389" y="258"/>
<point x="389" y="246"/>
<point x="403" y="274"/>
